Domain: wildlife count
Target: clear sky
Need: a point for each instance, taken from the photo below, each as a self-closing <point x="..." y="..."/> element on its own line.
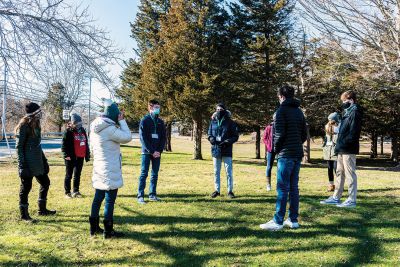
<point x="114" y="16"/>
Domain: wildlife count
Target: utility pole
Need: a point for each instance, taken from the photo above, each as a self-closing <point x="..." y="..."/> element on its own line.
<point x="3" y="116"/>
<point x="90" y="100"/>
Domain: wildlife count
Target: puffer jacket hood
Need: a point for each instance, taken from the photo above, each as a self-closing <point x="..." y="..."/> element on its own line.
<point x="101" y="123"/>
<point x="227" y="115"/>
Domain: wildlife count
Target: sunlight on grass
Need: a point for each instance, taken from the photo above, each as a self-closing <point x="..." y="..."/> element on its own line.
<point x="190" y="229"/>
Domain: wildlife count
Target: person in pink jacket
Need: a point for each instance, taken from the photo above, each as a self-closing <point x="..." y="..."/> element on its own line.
<point x="268" y="139"/>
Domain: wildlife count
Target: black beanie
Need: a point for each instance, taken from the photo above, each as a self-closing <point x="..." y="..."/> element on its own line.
<point x="221" y="105"/>
<point x="31" y="107"/>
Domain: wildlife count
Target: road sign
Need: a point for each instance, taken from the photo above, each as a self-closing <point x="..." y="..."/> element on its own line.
<point x="65" y="114"/>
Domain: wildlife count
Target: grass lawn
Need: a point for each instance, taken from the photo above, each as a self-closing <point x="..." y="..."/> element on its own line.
<point x="190" y="229"/>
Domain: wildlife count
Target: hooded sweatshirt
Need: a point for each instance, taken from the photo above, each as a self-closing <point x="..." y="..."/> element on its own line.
<point x="105" y="140"/>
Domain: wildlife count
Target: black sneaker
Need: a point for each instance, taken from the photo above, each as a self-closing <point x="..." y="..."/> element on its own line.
<point x="231" y="195"/>
<point x="215" y="194"/>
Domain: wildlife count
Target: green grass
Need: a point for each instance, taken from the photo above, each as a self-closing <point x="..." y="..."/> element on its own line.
<point x="190" y="229"/>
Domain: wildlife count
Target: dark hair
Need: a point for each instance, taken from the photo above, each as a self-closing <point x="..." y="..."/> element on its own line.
<point x="286" y="91"/>
<point x="349" y="95"/>
<point x="153" y="102"/>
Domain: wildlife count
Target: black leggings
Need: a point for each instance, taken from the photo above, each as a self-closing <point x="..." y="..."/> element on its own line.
<point x="331" y="170"/>
<point x="26" y="186"/>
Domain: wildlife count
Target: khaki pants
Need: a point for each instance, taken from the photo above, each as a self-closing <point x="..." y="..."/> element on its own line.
<point x="346" y="169"/>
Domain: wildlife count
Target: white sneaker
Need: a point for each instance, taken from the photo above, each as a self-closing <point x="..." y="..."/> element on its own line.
<point x="154" y="198"/>
<point x="140" y="200"/>
<point x="268" y="187"/>
<point x="290" y="224"/>
<point x="271" y="226"/>
<point x="330" y="201"/>
<point x="348" y="203"/>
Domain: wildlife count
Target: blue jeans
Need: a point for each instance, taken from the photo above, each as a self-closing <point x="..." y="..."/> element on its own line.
<point x="217" y="172"/>
<point x="99" y="196"/>
<point x="287" y="183"/>
<point x="155" y="167"/>
<point x="270" y="163"/>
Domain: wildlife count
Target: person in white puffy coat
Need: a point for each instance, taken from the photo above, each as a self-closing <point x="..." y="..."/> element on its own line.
<point x="108" y="132"/>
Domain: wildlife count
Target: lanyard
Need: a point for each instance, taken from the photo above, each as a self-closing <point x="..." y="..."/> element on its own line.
<point x="155" y="123"/>
<point x="219" y="122"/>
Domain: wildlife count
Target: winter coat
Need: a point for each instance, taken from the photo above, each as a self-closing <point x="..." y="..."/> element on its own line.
<point x="105" y="140"/>
<point x="30" y="153"/>
<point x="229" y="133"/>
<point x="329" y="147"/>
<point x="350" y="131"/>
<point x="268" y="138"/>
<point x="290" y="130"/>
<point x="67" y="146"/>
<point x="147" y="128"/>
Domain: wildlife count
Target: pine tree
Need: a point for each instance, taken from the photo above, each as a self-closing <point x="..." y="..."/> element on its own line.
<point x="264" y="28"/>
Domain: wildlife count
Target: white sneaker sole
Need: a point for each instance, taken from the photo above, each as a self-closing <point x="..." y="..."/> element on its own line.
<point x="271" y="229"/>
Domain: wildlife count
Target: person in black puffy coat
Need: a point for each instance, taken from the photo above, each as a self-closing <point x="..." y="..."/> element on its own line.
<point x="290" y="134"/>
<point x="222" y="134"/>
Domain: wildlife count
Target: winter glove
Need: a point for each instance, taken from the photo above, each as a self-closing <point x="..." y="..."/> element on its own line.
<point x="223" y="144"/>
<point x="212" y="140"/>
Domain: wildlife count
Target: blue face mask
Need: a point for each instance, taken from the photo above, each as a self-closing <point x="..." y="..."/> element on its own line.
<point x="156" y="111"/>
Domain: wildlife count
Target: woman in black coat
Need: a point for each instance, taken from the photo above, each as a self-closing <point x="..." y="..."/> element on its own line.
<point x="31" y="161"/>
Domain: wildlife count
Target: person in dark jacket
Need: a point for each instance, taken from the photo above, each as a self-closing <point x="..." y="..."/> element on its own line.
<point x="75" y="149"/>
<point x="222" y="134"/>
<point x="152" y="137"/>
<point x="347" y="147"/>
<point x="290" y="134"/>
<point x="31" y="161"/>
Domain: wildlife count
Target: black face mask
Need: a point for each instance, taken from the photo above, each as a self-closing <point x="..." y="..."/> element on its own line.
<point x="346" y="105"/>
<point x="221" y="114"/>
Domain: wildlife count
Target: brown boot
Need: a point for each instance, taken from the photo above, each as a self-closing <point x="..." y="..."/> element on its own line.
<point x="331" y="188"/>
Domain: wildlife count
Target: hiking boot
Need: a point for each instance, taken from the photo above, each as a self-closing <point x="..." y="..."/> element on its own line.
<point x="43" y="211"/>
<point x="215" y="194"/>
<point x="109" y="230"/>
<point x="94" y="226"/>
<point x="231" y="195"/>
<point x="271" y="226"/>
<point x="23" y="209"/>
<point x="330" y="201"/>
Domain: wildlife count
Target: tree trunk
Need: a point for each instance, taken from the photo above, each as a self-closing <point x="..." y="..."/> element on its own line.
<point x="381" y="144"/>
<point x="197" y="134"/>
<point x="168" y="139"/>
<point x="307" y="147"/>
<point x="374" y="145"/>
<point x="395" y="147"/>
<point x="258" y="142"/>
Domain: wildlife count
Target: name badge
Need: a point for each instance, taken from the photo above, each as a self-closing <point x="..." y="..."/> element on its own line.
<point x="82" y="144"/>
<point x="219" y="138"/>
<point x="154" y="136"/>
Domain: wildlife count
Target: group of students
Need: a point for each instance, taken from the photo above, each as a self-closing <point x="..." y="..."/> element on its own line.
<point x="283" y="138"/>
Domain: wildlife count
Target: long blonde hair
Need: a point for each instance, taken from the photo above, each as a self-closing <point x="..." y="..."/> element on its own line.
<point x="32" y="122"/>
<point x="330" y="127"/>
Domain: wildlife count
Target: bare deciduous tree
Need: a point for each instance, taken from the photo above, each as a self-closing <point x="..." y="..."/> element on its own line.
<point x="34" y="33"/>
